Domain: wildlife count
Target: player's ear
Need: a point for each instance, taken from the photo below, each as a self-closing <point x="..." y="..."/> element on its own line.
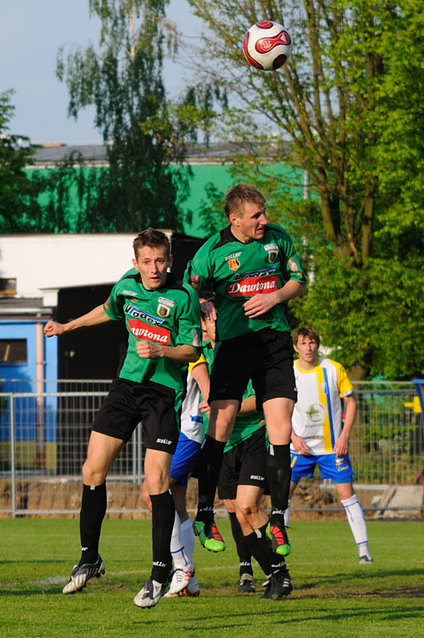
<point x="135" y="264"/>
<point x="170" y="260"/>
<point x="234" y="220"/>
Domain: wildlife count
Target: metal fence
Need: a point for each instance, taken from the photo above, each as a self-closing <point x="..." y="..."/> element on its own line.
<point x="43" y="440"/>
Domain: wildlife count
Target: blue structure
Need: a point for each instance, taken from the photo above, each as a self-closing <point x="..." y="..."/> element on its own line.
<point x="18" y="374"/>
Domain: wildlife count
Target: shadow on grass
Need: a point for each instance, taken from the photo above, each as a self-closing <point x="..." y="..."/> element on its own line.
<point x="368" y="573"/>
<point x="286" y="617"/>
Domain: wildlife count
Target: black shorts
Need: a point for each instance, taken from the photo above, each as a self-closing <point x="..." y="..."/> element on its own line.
<point x="128" y="403"/>
<point x="244" y="465"/>
<point x="266" y="357"/>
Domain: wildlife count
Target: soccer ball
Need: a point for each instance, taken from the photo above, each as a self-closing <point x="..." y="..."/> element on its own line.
<point x="267" y="45"/>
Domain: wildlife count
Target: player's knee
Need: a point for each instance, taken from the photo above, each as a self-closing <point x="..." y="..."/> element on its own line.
<point x="157" y="481"/>
<point x="248" y="510"/>
<point x="229" y="505"/>
<point x="93" y="475"/>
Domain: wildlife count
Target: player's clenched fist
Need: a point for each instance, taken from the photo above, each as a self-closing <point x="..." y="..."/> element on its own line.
<point x="148" y="350"/>
<point x="53" y="328"/>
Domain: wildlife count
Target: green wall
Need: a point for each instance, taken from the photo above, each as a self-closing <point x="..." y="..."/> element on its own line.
<point x="202" y="175"/>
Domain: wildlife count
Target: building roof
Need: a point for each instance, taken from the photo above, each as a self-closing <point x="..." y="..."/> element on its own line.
<point x="95" y="154"/>
<point x="52" y="155"/>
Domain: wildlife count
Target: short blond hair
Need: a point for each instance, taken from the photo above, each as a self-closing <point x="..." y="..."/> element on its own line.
<point x="240" y="194"/>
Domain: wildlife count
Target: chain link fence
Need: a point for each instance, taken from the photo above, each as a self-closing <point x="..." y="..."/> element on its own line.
<point x="43" y="439"/>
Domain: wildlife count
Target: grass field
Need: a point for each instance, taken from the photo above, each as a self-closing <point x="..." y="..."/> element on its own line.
<point x="333" y="595"/>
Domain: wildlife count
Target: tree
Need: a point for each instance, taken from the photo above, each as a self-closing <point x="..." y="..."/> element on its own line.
<point x="16" y="191"/>
<point x="352" y="64"/>
<point x="123" y="80"/>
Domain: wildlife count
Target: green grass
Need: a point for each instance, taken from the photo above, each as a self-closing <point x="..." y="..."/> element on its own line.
<point x="333" y="595"/>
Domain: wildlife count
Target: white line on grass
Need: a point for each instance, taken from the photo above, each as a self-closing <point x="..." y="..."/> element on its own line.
<point x="60" y="580"/>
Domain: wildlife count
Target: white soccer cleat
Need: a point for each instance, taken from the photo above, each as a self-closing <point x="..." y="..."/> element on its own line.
<point x="192" y="588"/>
<point x="180" y="580"/>
<point x="150" y="594"/>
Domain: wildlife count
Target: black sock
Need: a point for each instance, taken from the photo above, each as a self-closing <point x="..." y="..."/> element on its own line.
<point x="278" y="472"/>
<point x="93" y="510"/>
<point x="163" y="515"/>
<point x="260" y="547"/>
<point x="243" y="550"/>
<point x="209" y="466"/>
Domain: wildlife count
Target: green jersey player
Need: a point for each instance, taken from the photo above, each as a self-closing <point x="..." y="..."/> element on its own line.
<point x="163" y="323"/>
<point x="254" y="270"/>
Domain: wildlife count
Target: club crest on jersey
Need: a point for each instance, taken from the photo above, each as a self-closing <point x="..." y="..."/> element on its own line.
<point x="272" y="250"/>
<point x="233" y="264"/>
<point x="316" y="413"/>
<point x="162" y="310"/>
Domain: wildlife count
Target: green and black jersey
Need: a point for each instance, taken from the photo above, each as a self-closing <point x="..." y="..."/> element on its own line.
<point x="237" y="271"/>
<point x="169" y="316"/>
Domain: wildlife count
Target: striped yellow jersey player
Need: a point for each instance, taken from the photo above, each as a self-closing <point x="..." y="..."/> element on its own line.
<point x="317" y="415"/>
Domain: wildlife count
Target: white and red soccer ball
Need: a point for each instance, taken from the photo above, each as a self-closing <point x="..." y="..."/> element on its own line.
<point x="267" y="45"/>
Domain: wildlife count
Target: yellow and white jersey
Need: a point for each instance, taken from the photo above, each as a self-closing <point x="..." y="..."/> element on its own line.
<point x="317" y="414"/>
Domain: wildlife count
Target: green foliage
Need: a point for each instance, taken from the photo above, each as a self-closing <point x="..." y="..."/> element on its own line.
<point x="399" y="119"/>
<point x="347" y="109"/>
<point x="17" y="193"/>
<point x="123" y="81"/>
<point x="372" y="314"/>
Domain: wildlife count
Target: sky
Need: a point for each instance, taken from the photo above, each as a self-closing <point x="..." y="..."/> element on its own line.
<point x="31" y="33"/>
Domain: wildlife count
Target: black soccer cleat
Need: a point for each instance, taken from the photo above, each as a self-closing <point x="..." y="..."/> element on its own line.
<point x="278" y="585"/>
<point x="246" y="584"/>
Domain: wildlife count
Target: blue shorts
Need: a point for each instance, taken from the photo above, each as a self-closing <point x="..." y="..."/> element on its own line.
<point x="338" y="469"/>
<point x="183" y="459"/>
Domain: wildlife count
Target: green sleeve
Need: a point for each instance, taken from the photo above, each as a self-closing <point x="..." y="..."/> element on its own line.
<point x="199" y="269"/>
<point x="291" y="267"/>
<point x="189" y="330"/>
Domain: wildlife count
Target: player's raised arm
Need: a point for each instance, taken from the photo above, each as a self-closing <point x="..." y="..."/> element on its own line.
<point x="92" y="318"/>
